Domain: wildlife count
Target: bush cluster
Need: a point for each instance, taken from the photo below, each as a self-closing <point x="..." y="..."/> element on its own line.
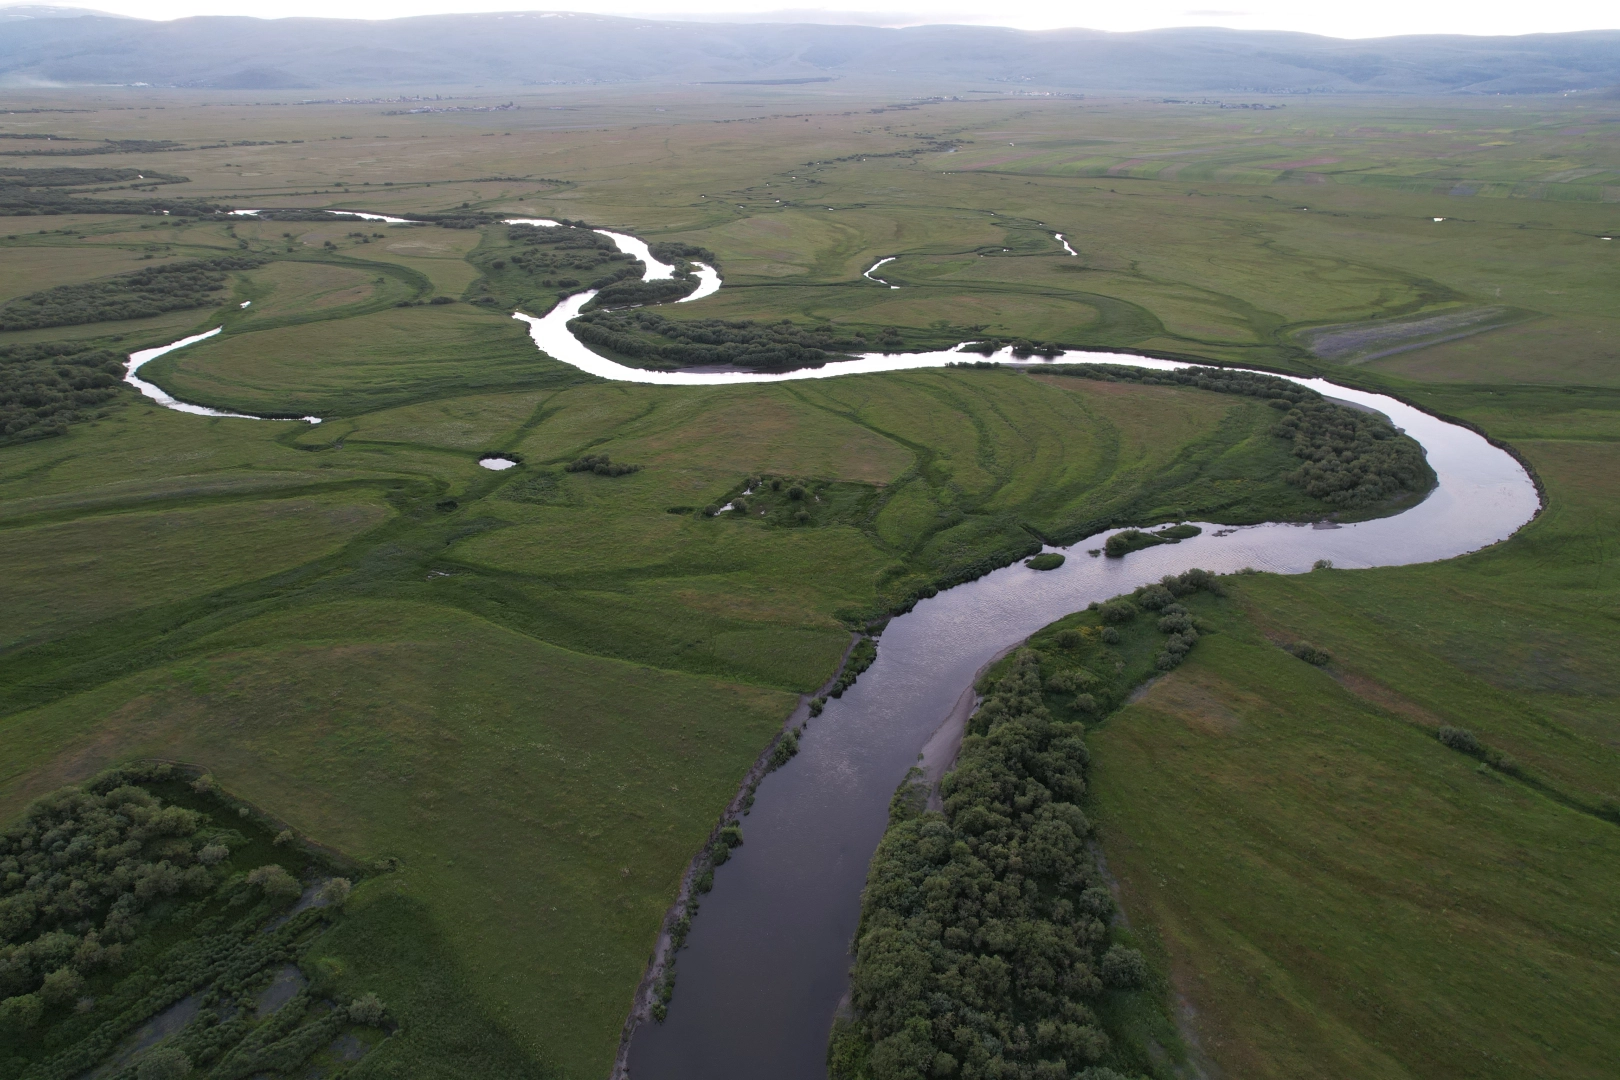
<point x="1126" y="541"/>
<point x="565" y="256"/>
<point x="116" y="904"/>
<point x="675" y="251"/>
<point x="601" y="465"/>
<point x="1022" y="348"/>
<point x="57" y="190"/>
<point x="1310" y="653"/>
<point x="983" y="944"/>
<point x="860" y="658"/>
<point x="787" y="747"/>
<point x="779" y="346"/>
<point x="638" y="293"/>
<point x="79" y="871"/>
<point x="44" y="387"/>
<point x="135" y="295"/>
<point x="1175" y="621"/>
<point x="1349" y="458"/>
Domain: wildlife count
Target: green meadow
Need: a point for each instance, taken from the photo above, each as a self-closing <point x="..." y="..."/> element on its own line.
<point x="520" y="700"/>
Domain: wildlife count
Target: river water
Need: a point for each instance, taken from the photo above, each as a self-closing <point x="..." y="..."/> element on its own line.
<point x="767" y="960"/>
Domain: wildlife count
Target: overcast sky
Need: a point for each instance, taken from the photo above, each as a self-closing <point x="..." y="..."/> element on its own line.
<point x="1359" y="18"/>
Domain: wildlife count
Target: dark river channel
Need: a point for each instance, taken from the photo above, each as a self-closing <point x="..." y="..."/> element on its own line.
<point x="767" y="961"/>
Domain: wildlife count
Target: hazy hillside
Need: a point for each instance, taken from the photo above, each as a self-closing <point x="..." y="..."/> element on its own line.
<point x="38" y="46"/>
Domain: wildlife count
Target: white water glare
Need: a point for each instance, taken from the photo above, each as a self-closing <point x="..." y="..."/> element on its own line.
<point x="137" y="360"/>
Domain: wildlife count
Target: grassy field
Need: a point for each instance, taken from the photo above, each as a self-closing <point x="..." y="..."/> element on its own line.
<point x="536" y="688"/>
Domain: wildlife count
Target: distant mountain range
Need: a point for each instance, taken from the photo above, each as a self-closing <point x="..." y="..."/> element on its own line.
<point x="43" y="46"/>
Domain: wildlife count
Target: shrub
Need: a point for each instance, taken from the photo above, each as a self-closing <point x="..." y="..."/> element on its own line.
<point x="1101" y="1072"/>
<point x="164" y="1063"/>
<point x="368" y="1010"/>
<point x="1117" y="611"/>
<point x="1083" y="703"/>
<point x="1460" y="739"/>
<point x="335" y="893"/>
<point x="1128" y="540"/>
<point x="1154" y="597"/>
<point x="601" y="465"/>
<point x="786" y="747"/>
<point x="442" y="300"/>
<point x="731" y="835"/>
<point x="711" y="510"/>
<point x="284" y="837"/>
<point x="1322" y="564"/>
<point x="210" y="854"/>
<point x="1310" y="653"/>
<point x="62" y="986"/>
<point x="1067" y="682"/>
<point x="22" y="1012"/>
<point x="277" y="885"/>
<point x="1069" y="639"/>
<point x="1110" y="636"/>
<point x="796" y="493"/>
<point x="1123" y="969"/>
<point x="1175" y="623"/>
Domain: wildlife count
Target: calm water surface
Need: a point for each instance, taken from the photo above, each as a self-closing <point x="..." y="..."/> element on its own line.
<point x="767" y="959"/>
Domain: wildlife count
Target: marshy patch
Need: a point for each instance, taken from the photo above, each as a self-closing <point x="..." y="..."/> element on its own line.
<point x="1049" y="560"/>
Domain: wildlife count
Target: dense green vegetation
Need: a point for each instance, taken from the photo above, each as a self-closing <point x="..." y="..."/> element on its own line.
<point x="149" y="291"/>
<point x="1350" y="458"/>
<point x="25" y="192"/>
<point x="47" y="386"/>
<point x="982" y="942"/>
<point x="572" y="257"/>
<point x="543" y="683"/>
<point x="119" y="904"/>
<point x="656" y="341"/>
<point x="984" y="948"/>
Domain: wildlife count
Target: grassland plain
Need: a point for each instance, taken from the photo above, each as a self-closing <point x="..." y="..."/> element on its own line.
<point x="544" y="684"/>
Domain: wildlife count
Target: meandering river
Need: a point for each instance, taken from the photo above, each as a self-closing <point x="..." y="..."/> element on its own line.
<point x="767" y="960"/>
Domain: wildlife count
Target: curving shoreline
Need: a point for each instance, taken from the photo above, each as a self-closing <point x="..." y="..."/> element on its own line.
<point x="765" y="967"/>
<point x="156" y="393"/>
<point x="764" y="970"/>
